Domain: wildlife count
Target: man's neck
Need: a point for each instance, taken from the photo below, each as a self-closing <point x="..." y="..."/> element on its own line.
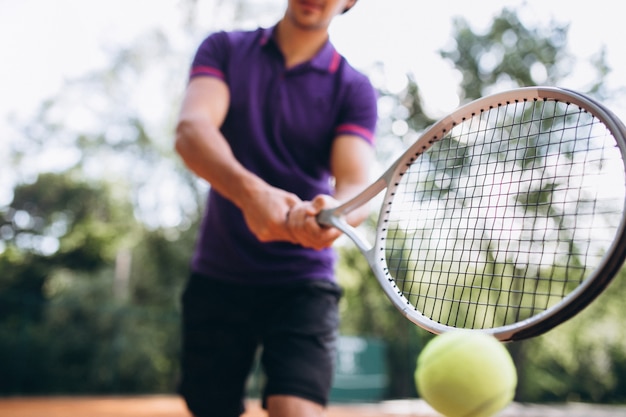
<point x="299" y="45"/>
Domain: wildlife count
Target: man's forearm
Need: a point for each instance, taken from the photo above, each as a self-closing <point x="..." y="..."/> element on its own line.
<point x="206" y="153"/>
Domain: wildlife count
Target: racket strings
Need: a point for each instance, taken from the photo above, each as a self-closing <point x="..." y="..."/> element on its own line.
<point x="506" y="215"/>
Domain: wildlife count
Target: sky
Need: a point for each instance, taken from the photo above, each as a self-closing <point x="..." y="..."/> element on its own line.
<point x="45" y="43"/>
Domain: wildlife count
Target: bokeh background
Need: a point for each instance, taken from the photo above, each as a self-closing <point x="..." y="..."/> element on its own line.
<point x="98" y="215"/>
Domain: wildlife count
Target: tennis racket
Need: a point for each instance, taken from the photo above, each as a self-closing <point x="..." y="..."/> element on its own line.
<point x="507" y="216"/>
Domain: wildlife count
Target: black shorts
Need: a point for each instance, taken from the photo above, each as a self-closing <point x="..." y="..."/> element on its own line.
<point x="224" y="324"/>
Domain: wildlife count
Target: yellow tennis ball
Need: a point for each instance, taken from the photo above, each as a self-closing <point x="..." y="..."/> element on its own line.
<point x="466" y="374"/>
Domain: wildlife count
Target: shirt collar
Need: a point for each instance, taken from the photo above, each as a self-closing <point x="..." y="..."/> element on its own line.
<point x="327" y="59"/>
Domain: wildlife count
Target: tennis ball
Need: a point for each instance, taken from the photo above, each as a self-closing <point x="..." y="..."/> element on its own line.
<point x="466" y="374"/>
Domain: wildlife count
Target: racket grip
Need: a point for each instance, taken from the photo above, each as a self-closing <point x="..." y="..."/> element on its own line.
<point x="325" y="218"/>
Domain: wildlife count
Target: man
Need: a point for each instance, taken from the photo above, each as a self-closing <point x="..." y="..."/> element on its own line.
<point x="281" y="127"/>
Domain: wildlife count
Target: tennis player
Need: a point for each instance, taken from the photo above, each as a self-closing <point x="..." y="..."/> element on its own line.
<point x="281" y="126"/>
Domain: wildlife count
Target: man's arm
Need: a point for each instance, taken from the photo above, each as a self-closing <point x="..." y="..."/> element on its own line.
<point x="350" y="162"/>
<point x="206" y="152"/>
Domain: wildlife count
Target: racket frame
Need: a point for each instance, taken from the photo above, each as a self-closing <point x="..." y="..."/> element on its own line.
<point x="375" y="253"/>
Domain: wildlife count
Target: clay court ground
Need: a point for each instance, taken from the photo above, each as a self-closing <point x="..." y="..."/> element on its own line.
<point x="171" y="406"/>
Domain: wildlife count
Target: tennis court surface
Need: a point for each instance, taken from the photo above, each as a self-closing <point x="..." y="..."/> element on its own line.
<point x="172" y="406"/>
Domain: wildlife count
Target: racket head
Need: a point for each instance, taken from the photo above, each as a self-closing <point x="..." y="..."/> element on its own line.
<point x="507" y="216"/>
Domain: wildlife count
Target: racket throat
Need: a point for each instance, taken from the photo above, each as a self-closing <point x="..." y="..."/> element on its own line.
<point x="330" y="219"/>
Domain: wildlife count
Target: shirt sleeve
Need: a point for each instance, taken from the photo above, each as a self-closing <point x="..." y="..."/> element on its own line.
<point x="211" y="57"/>
<point x="359" y="114"/>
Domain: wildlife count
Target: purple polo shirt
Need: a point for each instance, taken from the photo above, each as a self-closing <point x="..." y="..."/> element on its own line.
<point x="280" y="125"/>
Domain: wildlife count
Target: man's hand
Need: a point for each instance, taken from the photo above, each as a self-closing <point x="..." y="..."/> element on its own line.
<point x="304" y="228"/>
<point x="266" y="211"/>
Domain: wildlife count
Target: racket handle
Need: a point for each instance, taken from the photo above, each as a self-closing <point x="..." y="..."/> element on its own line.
<point x="325" y="218"/>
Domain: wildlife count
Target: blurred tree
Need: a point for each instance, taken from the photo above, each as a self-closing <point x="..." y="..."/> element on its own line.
<point x="87" y="294"/>
<point x="94" y="254"/>
<point x="114" y="124"/>
<point x="57" y="223"/>
<point x="54" y="226"/>
<point x="510" y="54"/>
<point x="93" y="258"/>
<point x="583" y="359"/>
<point x="507" y="55"/>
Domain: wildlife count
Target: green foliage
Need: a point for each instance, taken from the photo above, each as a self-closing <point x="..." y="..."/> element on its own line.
<point x="88" y="276"/>
<point x="508" y="53"/>
<point x="55" y="223"/>
<point x="85" y="342"/>
<point x="160" y="266"/>
<point x="111" y="346"/>
<point x="581" y="360"/>
<point x="72" y="320"/>
<point x="366" y="311"/>
<point x="90" y="283"/>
